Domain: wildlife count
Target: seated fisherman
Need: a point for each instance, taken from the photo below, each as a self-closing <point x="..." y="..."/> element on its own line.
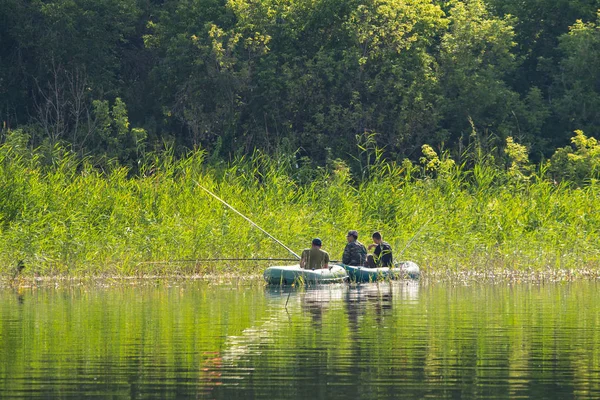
<point x="314" y="258"/>
<point x="355" y="253"/>
<point x="382" y="256"/>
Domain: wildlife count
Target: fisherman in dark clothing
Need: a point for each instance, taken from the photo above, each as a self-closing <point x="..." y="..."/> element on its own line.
<point x="382" y="256"/>
<point x="355" y="253"/>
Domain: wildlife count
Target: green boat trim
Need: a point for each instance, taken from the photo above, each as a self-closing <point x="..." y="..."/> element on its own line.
<point x="290" y="274"/>
<point x="401" y="270"/>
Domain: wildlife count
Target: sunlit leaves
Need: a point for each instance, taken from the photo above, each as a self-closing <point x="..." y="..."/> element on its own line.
<point x="578" y="82"/>
<point x="76" y="219"/>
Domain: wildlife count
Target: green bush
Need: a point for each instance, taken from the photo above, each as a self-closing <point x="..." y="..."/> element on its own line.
<point x="580" y="163"/>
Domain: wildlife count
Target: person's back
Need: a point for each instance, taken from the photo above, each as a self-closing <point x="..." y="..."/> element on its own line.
<point x="355" y="252"/>
<point x="314" y="258"/>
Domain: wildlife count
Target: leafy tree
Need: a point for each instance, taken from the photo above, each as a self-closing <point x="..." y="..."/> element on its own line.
<point x="475" y="57"/>
<point x="519" y="169"/>
<point x="539" y="24"/>
<point x="115" y="139"/>
<point x="303" y="77"/>
<point x="578" y="83"/>
<point x="58" y="55"/>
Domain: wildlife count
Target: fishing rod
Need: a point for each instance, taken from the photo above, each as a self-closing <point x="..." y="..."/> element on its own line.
<point x="414" y="236"/>
<point x="217" y="259"/>
<point x="247" y="219"/>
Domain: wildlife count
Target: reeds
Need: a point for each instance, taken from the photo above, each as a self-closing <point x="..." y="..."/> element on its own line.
<point x="71" y="218"/>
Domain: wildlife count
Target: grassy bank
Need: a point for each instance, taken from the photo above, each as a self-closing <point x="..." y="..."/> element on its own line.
<point x="72" y="218"/>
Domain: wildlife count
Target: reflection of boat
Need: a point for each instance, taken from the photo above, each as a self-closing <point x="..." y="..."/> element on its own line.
<point x="294" y="296"/>
<point x="401" y="270"/>
<point x="286" y="275"/>
<point x="324" y="294"/>
<point x="313" y="300"/>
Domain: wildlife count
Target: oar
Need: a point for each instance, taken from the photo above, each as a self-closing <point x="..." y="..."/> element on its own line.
<point x="247" y="219"/>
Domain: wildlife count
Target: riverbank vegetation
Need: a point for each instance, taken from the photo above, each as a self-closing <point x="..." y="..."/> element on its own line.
<point x="471" y="123"/>
<point x="114" y="79"/>
<point x="70" y="217"/>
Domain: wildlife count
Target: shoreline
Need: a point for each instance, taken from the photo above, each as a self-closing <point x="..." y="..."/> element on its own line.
<point x="427" y="278"/>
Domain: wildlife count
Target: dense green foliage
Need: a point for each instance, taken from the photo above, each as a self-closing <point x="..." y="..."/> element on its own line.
<point x="73" y="218"/>
<point x="379" y="114"/>
<point x="115" y="79"/>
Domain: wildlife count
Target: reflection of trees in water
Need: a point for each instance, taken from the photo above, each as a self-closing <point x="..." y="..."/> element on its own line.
<point x="19" y="292"/>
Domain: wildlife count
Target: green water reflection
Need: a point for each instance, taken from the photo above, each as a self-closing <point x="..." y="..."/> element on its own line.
<point x="372" y="341"/>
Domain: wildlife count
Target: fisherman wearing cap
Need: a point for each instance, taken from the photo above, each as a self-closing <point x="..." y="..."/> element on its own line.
<point x="355" y="252"/>
<point x="314" y="258"/>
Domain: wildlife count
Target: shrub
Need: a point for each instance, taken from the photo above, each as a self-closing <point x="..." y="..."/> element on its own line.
<point x="578" y="163"/>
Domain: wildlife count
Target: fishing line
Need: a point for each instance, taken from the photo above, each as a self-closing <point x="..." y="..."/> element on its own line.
<point x="247" y="219"/>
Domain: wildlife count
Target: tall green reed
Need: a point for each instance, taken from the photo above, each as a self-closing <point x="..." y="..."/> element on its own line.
<point x="73" y="218"/>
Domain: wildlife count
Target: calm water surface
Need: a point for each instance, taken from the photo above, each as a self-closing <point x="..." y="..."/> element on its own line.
<point x="398" y="340"/>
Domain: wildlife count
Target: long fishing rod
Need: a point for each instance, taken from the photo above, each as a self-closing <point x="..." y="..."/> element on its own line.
<point x="216" y="259"/>
<point x="247" y="219"/>
<point x="414" y="236"/>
